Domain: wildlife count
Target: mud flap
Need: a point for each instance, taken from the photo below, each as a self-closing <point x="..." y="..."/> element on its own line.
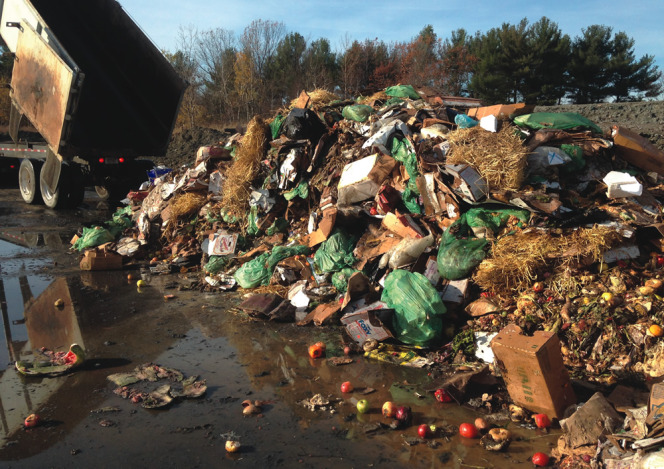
<point x="50" y="172"/>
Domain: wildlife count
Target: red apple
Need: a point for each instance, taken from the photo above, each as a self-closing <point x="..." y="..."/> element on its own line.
<point x="346" y="386"/>
<point x="468" y="430"/>
<point x="542" y="420"/>
<point x="423" y="430"/>
<point x="540" y="459"/>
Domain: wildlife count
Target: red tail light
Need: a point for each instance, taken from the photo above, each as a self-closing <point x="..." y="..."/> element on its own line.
<point x="121" y="160"/>
<point x="101" y="160"/>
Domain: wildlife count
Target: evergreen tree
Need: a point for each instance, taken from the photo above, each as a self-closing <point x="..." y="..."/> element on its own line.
<point x="590" y="79"/>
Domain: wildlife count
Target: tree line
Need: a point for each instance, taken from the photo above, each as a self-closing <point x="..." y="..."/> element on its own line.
<point x="234" y="77"/>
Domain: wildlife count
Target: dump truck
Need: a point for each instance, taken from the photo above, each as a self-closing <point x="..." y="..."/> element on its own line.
<point x="98" y="91"/>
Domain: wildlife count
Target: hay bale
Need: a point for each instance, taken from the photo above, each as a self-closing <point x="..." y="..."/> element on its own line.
<point x="517" y="260"/>
<point x="187" y="204"/>
<point x="237" y="186"/>
<point x="500" y="158"/>
<point x="317" y="98"/>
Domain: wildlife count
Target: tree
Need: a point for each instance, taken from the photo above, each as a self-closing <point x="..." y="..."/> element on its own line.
<point x="457" y="63"/>
<point x="185" y="63"/>
<point x="287" y="66"/>
<point x="319" y="65"/>
<point x="590" y="80"/>
<point x="418" y="60"/>
<point x="631" y="79"/>
<point x="550" y="51"/>
<point x="216" y="55"/>
<point x="489" y="82"/>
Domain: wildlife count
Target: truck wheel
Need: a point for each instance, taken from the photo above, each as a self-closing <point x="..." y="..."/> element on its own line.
<point x="75" y="186"/>
<point x="28" y="180"/>
<point x="70" y="188"/>
<point x="102" y="192"/>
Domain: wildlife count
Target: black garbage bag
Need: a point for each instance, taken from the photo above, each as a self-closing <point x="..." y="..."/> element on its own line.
<point x="303" y="124"/>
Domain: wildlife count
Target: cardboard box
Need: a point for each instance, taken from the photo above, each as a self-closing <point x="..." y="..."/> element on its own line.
<point x="533" y="370"/>
<point x="468" y="182"/>
<point x="100" y="260"/>
<point x="220" y="244"/>
<point x="637" y="150"/>
<point x="361" y="179"/>
<point x="501" y="110"/>
<point x="655" y="403"/>
<point x="365" y="323"/>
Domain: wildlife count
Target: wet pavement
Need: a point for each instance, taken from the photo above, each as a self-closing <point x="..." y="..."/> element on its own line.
<point x="84" y="424"/>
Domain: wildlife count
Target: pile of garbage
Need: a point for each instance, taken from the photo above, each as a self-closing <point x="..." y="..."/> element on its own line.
<point x="438" y="233"/>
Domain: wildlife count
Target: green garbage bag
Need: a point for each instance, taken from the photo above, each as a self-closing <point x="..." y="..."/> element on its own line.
<point x="120" y="221"/>
<point x="392" y="101"/>
<point x="216" y="264"/>
<point x="252" y="222"/>
<point x="402" y="91"/>
<point x="280" y="225"/>
<point x="340" y="279"/>
<point x="301" y="190"/>
<point x="357" y="112"/>
<point x="94" y="236"/>
<point x="403" y="151"/>
<point x="556" y="120"/>
<point x="335" y="253"/>
<point x="578" y="161"/>
<point x="258" y="271"/>
<point x="460" y="251"/>
<point x="275" y="126"/>
<point x="417" y="307"/>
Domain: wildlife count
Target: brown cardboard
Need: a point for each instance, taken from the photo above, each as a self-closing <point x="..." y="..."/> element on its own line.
<point x="365" y="324"/>
<point x="501" y="110"/>
<point x="533" y="370"/>
<point x="403" y="225"/>
<point x="655" y="403"/>
<point x="325" y="227"/>
<point x="637" y="150"/>
<point x="100" y="260"/>
<point x="321" y="314"/>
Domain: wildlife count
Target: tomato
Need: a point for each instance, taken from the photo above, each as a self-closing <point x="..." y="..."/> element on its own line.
<point x="542" y="420"/>
<point x="540" y="459"/>
<point x="468" y="430"/>
<point x="442" y="396"/>
<point x="346" y="386"/>
<point x="423" y="430"/>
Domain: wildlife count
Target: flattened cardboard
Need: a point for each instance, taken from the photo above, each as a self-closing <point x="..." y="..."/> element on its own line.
<point x="637" y="150"/>
<point x="321" y="314"/>
<point x="325" y="227"/>
<point x="361" y="179"/>
<point x="533" y="370"/>
<point x="403" y="225"/>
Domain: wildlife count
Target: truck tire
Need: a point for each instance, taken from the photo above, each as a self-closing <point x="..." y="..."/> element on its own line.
<point x="103" y="192"/>
<point x="28" y="180"/>
<point x="70" y="191"/>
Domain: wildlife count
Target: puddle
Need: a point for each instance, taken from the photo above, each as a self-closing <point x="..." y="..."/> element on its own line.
<point x="198" y="334"/>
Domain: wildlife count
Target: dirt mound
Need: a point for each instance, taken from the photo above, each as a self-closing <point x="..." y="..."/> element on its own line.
<point x="645" y="118"/>
<point x="185" y="143"/>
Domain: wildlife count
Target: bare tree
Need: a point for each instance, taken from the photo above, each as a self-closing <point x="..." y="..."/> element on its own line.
<point x="184" y="61"/>
<point x="216" y="52"/>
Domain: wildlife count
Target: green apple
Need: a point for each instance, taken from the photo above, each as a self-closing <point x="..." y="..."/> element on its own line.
<point x="362" y="406"/>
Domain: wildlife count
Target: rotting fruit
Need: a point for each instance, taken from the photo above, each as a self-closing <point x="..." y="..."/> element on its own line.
<point x="232" y="446"/>
<point x="317" y="350"/>
<point x="468" y="430"/>
<point x="362" y="406"/>
<point x="540" y="459"/>
<point x="423" y="430"/>
<point x="442" y="395"/>
<point x="542" y="420"/>
<point x="346" y="386"/>
<point x="389" y="409"/>
<point x="31" y="421"/>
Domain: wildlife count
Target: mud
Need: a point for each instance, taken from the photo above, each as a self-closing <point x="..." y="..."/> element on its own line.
<point x="200" y="334"/>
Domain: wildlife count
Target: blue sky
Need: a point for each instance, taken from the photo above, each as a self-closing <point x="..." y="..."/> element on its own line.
<point x="391" y="20"/>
